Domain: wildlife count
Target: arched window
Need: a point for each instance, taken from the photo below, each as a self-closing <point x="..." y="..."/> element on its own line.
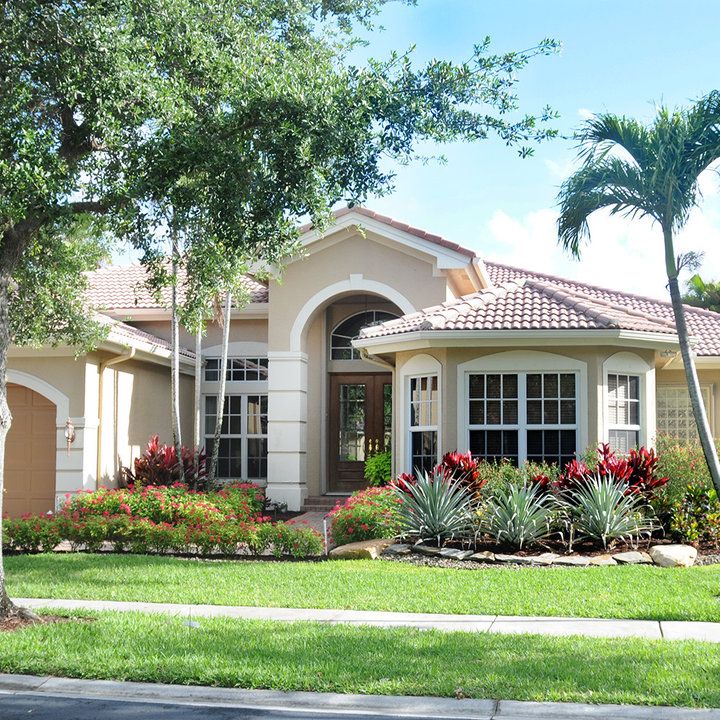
<point x="344" y="333"/>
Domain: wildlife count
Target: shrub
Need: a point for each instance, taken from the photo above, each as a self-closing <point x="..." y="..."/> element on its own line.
<point x="637" y="471"/>
<point x="519" y="515"/>
<point x="30" y="534"/>
<point x="463" y="468"/>
<point x="436" y="507"/>
<point x="160" y="465"/>
<point x="378" y="469"/>
<point x="695" y="516"/>
<point x="601" y="509"/>
<point x="366" y="515"/>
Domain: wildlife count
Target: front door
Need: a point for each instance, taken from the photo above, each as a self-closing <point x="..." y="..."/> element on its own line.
<point x="360" y="424"/>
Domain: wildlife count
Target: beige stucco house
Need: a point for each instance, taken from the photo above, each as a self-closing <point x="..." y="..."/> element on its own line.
<point x="455" y="353"/>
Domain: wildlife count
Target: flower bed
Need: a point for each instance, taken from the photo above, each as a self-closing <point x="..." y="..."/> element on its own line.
<point x="160" y="519"/>
<point x="365" y="515"/>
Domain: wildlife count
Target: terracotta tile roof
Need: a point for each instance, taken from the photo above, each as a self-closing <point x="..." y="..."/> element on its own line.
<point x="704" y="325"/>
<point x="123" y="287"/>
<point x="437" y="239"/>
<point x="524" y="304"/>
<point x="123" y="334"/>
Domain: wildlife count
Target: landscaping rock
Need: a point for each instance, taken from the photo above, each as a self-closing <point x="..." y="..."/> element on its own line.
<point x="603" y="560"/>
<point x="426" y="549"/>
<point x="546" y="558"/>
<point x="572" y="560"/>
<point x="483" y="557"/>
<point x="397" y="549"/>
<point x="633" y="557"/>
<point x="673" y="555"/>
<point x="517" y="559"/>
<point x="455" y="554"/>
<point x="371" y="549"/>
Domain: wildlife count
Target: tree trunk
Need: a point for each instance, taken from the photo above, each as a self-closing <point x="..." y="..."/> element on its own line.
<point x="175" y="358"/>
<point x="212" y="475"/>
<point x="197" y="441"/>
<point x="698" y="407"/>
<point x="7" y="607"/>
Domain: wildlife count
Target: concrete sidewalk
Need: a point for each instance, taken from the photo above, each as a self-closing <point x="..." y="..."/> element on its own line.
<point x="310" y="704"/>
<point x="591" y="627"/>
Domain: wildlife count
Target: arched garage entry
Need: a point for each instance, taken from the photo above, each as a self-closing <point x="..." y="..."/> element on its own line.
<point x="30" y="454"/>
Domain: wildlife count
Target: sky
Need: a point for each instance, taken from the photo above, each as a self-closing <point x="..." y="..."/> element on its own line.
<point x="623" y="57"/>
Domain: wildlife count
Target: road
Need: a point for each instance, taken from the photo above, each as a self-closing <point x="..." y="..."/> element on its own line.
<point x="43" y="707"/>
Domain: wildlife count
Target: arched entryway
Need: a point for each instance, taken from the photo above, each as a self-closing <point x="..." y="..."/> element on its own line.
<point x="30" y="453"/>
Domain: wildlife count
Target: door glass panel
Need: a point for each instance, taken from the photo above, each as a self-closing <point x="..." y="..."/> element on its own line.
<point x="387" y="415"/>
<point x="351" y="437"/>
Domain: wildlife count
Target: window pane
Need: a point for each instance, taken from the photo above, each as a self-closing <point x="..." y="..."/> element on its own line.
<point x="424" y="450"/>
<point x="567" y="412"/>
<point x="634" y="387"/>
<point x="477" y="412"/>
<point x="510" y="386"/>
<point x="477" y="386"/>
<point x="567" y="385"/>
<point x="510" y="412"/>
<point x="535" y="443"/>
<point x="634" y="413"/>
<point x="493" y="386"/>
<point x="550" y="413"/>
<point x="493" y="412"/>
<point x="257" y="458"/>
<point x="550" y="385"/>
<point x="534" y="412"/>
<point x="624" y="440"/>
<point x="534" y="386"/>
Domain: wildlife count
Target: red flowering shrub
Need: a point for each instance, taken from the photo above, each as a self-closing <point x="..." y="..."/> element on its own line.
<point x="462" y="467"/>
<point x="366" y="515"/>
<point x="159" y="465"/>
<point x="637" y="471"/>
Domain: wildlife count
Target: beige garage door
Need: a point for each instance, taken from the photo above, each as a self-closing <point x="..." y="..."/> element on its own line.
<point x="30" y="453"/>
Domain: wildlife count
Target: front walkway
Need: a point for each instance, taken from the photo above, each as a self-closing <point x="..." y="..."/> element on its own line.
<point x="591" y="627"/>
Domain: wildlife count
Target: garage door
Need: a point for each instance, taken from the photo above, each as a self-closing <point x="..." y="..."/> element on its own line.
<point x="30" y="453"/>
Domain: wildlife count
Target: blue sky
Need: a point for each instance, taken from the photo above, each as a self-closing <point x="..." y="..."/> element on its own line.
<point x="620" y="57"/>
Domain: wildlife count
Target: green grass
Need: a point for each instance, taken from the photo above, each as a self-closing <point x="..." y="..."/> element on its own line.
<point x="398" y="661"/>
<point x="615" y="592"/>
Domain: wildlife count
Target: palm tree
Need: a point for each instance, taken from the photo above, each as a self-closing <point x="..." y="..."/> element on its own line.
<point x="651" y="171"/>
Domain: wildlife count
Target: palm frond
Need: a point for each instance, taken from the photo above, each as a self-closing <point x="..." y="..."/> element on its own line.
<point x="606" y="132"/>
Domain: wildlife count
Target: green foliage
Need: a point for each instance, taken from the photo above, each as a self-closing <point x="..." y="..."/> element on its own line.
<point x="238" y="501"/>
<point x="519" y="515"/>
<point x="695" y="516"/>
<point x="378" y="469"/>
<point x="142" y="536"/>
<point x="436" y="508"/>
<point x="500" y="475"/>
<point x="703" y="294"/>
<point x="601" y="509"/>
<point x="366" y="515"/>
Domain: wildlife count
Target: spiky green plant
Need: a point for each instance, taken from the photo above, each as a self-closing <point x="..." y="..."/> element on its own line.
<point x="600" y="509"/>
<point x="436" y="508"/>
<point x="520" y="515"/>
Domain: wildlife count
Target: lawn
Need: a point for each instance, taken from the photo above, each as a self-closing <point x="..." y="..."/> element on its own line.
<point x="643" y="592"/>
<point x="397" y="661"/>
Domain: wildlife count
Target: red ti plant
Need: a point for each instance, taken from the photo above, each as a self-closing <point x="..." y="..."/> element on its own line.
<point x="461" y="467"/>
<point x="637" y="470"/>
<point x="159" y="465"/>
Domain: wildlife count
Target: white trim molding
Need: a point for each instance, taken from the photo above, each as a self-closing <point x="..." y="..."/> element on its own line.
<point x="354" y="283"/>
<point x="523" y="361"/>
<point x="55" y="396"/>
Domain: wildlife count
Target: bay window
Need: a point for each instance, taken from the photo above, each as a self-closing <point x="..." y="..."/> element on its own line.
<point x="523" y="416"/>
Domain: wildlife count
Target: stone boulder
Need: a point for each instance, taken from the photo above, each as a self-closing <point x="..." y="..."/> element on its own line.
<point x="673" y="555"/>
<point x="633" y="557"/>
<point x="367" y="549"/>
<point x="572" y="561"/>
<point x="398" y="549"/>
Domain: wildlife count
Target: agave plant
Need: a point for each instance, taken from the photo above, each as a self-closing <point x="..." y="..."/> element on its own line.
<point x="436" y="508"/>
<point x="601" y="509"/>
<point x="520" y="515"/>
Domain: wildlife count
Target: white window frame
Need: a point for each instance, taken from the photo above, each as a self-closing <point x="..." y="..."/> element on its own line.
<point x="243" y="436"/>
<point x="627" y="363"/>
<point x="420" y="365"/>
<point x="627" y="427"/>
<point x="707" y="390"/>
<point x="523" y="426"/>
<point x="416" y="429"/>
<point x="523" y="363"/>
<point x="231" y="370"/>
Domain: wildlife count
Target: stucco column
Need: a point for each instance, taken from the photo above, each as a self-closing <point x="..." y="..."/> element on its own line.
<point x="287" y="428"/>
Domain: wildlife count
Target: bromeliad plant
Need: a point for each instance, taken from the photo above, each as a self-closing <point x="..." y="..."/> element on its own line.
<point x="602" y="509"/>
<point x="436" y="507"/>
<point x="519" y="515"/>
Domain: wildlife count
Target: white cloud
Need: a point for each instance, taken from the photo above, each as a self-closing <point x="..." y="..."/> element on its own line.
<point x="585" y="114"/>
<point x="623" y="254"/>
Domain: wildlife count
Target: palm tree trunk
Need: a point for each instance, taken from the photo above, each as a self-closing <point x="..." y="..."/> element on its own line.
<point x="696" y="402"/>
<point x="212" y="475"/>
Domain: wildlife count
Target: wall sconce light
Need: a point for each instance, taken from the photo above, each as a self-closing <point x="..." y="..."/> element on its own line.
<point x="69" y="434"/>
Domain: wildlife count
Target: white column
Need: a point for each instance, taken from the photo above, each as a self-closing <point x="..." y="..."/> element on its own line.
<point x="287" y="428"/>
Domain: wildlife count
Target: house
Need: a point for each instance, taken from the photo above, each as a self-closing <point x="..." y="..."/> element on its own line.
<point x="380" y="335"/>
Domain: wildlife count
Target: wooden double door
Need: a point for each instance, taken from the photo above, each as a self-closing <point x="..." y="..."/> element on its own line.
<point x="360" y="424"/>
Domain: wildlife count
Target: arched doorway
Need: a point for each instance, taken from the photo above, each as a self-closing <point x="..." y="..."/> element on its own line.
<point x="30" y="453"/>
